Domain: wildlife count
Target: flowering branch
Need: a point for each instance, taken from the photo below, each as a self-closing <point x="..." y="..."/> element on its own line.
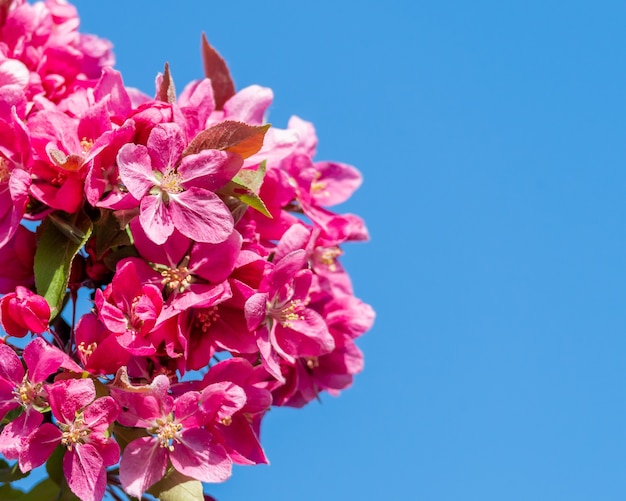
<point x="204" y="239"/>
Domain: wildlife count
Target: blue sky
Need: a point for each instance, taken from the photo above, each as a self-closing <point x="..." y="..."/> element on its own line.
<point x="491" y="139"/>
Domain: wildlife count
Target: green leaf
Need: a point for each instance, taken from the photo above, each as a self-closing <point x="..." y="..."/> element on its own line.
<point x="245" y="187"/>
<point x="45" y="490"/>
<point x="235" y="137"/>
<point x="53" y="466"/>
<point x="8" y="493"/>
<point x="60" y="239"/>
<point x="108" y="233"/>
<point x="12" y="415"/>
<point x="125" y="435"/>
<point x="175" y="486"/>
<point x="252" y="179"/>
<point x="216" y="70"/>
<point x="10" y="473"/>
<point x="166" y="91"/>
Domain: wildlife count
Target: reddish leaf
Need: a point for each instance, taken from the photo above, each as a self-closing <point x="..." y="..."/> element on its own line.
<point x="216" y="69"/>
<point x="166" y="91"/>
<point x="5" y="5"/>
<point x="236" y="137"/>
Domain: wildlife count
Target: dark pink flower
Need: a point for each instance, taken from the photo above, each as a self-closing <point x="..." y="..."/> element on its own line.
<point x="17" y="259"/>
<point x="24" y="311"/>
<point x="175" y="191"/>
<point x="176" y="434"/>
<point x="26" y="389"/>
<point x="82" y="424"/>
<point x="284" y="325"/>
<point x="129" y="309"/>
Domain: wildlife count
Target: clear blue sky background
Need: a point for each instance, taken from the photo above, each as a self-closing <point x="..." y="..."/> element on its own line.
<point x="491" y="138"/>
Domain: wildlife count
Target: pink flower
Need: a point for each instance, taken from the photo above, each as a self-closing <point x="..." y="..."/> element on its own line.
<point x="129" y="309"/>
<point x="176" y="435"/>
<point x="26" y="389"/>
<point x="17" y="258"/>
<point x="82" y="425"/>
<point x="175" y="191"/>
<point x="23" y="311"/>
<point x="239" y="431"/>
<point x="285" y="326"/>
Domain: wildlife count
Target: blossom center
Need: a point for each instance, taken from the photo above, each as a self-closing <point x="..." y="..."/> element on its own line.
<point x="286" y="313"/>
<point x="86" y="144"/>
<point x="26" y="393"/>
<point x="328" y="257"/>
<point x="167" y="433"/>
<point x="171" y="182"/>
<point x="74" y="433"/>
<point x="206" y="318"/>
<point x="87" y="349"/>
<point x="312" y="362"/>
<point x="176" y="279"/>
<point x="133" y="321"/>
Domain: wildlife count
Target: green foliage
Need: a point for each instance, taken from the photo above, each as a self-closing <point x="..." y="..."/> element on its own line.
<point x="59" y="240"/>
<point x="175" y="486"/>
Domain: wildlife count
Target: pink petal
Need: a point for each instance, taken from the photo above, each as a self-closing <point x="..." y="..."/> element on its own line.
<point x="100" y="414"/>
<point x="197" y="456"/>
<point x="85" y="472"/>
<point x="11" y="368"/>
<point x="249" y="105"/>
<point x="38" y="447"/>
<point x="143" y="464"/>
<point x="256" y="309"/>
<point x="135" y="168"/>
<point x="336" y="184"/>
<point x="156" y="219"/>
<point x="165" y="146"/>
<point x="68" y="396"/>
<point x="43" y="360"/>
<point x="209" y="169"/>
<point x="201" y="215"/>
<point x="13" y="433"/>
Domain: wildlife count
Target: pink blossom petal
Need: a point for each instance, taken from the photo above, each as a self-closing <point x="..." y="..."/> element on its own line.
<point x="200" y="215"/>
<point x="13" y="433"/>
<point x="14" y="72"/>
<point x="305" y="337"/>
<point x="255" y="309"/>
<point x="209" y="169"/>
<point x="11" y="368"/>
<point x="43" y="360"/>
<point x="337" y="183"/>
<point x="143" y="464"/>
<point x="157" y="220"/>
<point x="215" y="262"/>
<point x="243" y="444"/>
<point x="135" y="167"/>
<point x="249" y="105"/>
<point x="99" y="415"/>
<point x="38" y="447"/>
<point x="68" y="396"/>
<point x="269" y="357"/>
<point x="165" y="146"/>
<point x="85" y="472"/>
<point x="197" y="456"/>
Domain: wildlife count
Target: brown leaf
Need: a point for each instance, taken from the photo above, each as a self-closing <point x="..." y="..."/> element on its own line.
<point x="216" y="69"/>
<point x="235" y="137"/>
<point x="166" y="91"/>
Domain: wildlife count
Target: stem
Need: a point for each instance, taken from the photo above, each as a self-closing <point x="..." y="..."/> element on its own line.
<point x="72" y="348"/>
<point x="57" y="339"/>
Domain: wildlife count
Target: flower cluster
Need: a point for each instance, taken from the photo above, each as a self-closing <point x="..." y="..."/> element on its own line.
<point x="204" y="240"/>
